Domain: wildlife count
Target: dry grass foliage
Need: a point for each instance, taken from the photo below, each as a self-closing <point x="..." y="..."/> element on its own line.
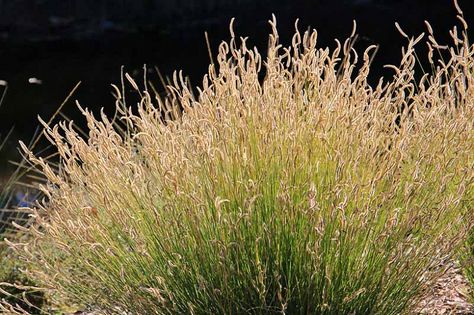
<point x="284" y="185"/>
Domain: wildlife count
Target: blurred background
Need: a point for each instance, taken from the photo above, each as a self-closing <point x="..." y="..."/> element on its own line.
<point x="47" y="46"/>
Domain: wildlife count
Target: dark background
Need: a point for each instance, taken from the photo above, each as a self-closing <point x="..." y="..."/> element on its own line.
<point x="61" y="42"/>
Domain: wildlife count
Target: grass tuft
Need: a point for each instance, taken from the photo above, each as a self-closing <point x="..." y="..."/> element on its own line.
<point x="305" y="192"/>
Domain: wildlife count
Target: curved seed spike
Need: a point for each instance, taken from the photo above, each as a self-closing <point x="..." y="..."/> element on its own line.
<point x="400" y="30"/>
<point x="463" y="21"/>
<point x="118" y="94"/>
<point x="418" y="39"/>
<point x="458" y="8"/>
<point x="354" y="28"/>
<point x="296" y="25"/>
<point x="132" y="82"/>
<point x="428" y="25"/>
<point x="231" y="28"/>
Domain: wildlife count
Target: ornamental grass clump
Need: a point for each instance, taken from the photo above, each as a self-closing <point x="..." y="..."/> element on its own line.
<point x="283" y="185"/>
